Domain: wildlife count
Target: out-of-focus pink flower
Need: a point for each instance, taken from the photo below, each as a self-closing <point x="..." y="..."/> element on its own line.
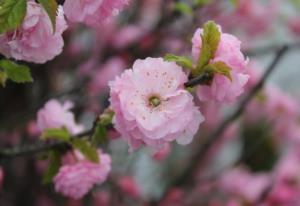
<point x="107" y="72"/>
<point x="253" y="17"/>
<point x="254" y="74"/>
<point x="76" y="180"/>
<point x="243" y="184"/>
<point x="57" y="115"/>
<point x="73" y="202"/>
<point x="35" y="41"/>
<point x="43" y="200"/>
<point x="162" y="153"/>
<point x="279" y="109"/>
<point x="32" y="129"/>
<point x="101" y="198"/>
<point x="127" y="35"/>
<point x="294" y="25"/>
<point x="129" y="186"/>
<point x="173" y="198"/>
<point x="151" y="106"/>
<point x="1" y="177"/>
<point x="93" y="12"/>
<point x="221" y="88"/>
<point x="211" y="112"/>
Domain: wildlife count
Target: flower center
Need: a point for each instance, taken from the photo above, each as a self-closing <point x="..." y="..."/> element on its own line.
<point x="154" y="101"/>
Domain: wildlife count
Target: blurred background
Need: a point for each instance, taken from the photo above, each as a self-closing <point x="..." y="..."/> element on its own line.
<point x="251" y="152"/>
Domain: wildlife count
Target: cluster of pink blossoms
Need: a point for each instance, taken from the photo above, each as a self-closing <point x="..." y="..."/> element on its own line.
<point x="35" y="41"/>
<point x="151" y="105"/>
<point x="222" y="89"/>
<point x="92" y="12"/>
<point x="75" y="179"/>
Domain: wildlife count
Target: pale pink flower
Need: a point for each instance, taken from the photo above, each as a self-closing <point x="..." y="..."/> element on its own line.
<point x="129" y="186"/>
<point x="107" y="72"/>
<point x="35" y="41"/>
<point x="243" y="184"/>
<point x="151" y="105"/>
<point x="221" y="88"/>
<point x="57" y="115"/>
<point x="77" y="179"/>
<point x="93" y="12"/>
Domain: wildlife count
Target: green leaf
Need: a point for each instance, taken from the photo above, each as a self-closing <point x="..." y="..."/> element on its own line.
<point x="61" y="134"/>
<point x="296" y="4"/>
<point x="180" y="60"/>
<point x="220" y="68"/>
<point x="16" y="72"/>
<point x="100" y="135"/>
<point x="234" y="2"/>
<point x="201" y="2"/>
<point x="50" y="7"/>
<point x="183" y="8"/>
<point x="53" y="167"/>
<point x="210" y="42"/>
<point x="3" y="78"/>
<point x="12" y="13"/>
<point x="86" y="149"/>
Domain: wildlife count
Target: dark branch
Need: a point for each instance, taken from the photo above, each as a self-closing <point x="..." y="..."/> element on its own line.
<point x="40" y="146"/>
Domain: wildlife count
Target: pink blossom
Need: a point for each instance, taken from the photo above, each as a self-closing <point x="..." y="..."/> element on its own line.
<point x="93" y="12"/>
<point x="32" y="129"/>
<point x="101" y="198"/>
<point x="151" y="106"/>
<point x="76" y="180"/>
<point x="57" y="115"/>
<point x="255" y="17"/>
<point x="221" y="88"/>
<point x="106" y="73"/>
<point x="243" y="184"/>
<point x="1" y="177"/>
<point x="175" y="197"/>
<point x="127" y="36"/>
<point x="254" y="72"/>
<point x="129" y="186"/>
<point x="35" y="41"/>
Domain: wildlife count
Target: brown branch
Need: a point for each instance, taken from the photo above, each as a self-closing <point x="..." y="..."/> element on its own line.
<point x="38" y="147"/>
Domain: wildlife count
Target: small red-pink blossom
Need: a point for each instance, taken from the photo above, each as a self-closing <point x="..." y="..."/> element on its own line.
<point x="57" y="115"/>
<point x="162" y="153"/>
<point x="221" y="88"/>
<point x="35" y="41"/>
<point x="76" y="180"/>
<point x="151" y="105"/>
<point x="129" y="186"/>
<point x="93" y="12"/>
<point x="294" y="25"/>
